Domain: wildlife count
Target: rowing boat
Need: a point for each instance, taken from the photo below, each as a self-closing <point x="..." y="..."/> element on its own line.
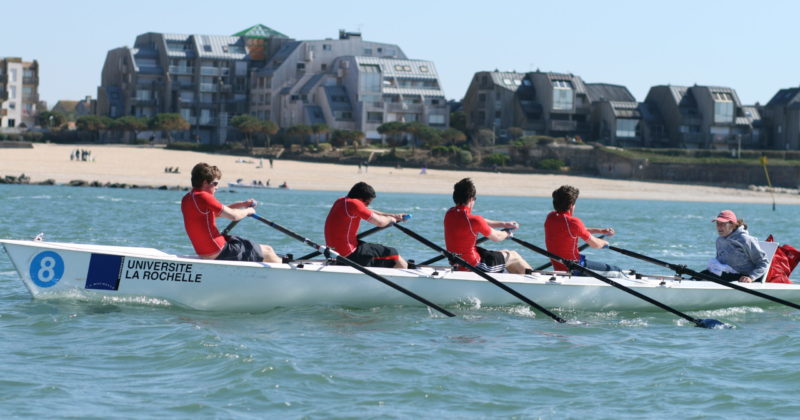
<point x="255" y="186"/>
<point x="118" y="273"/>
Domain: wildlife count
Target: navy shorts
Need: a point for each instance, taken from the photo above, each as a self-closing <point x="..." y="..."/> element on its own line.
<point x="240" y="249"/>
<point x="491" y="261"/>
<point x="374" y="255"/>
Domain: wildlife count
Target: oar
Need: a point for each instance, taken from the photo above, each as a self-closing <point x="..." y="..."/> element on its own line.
<point x="549" y="263"/>
<point x="361" y="235"/>
<point x="233" y="224"/>
<point x="477" y="271"/>
<point x="682" y="269"/>
<point x="704" y="323"/>
<point x="329" y="253"/>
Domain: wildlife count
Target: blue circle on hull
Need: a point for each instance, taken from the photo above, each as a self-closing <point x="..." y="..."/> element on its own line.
<point x="46" y="269"/>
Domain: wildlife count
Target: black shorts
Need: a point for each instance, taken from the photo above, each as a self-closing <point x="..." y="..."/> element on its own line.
<point x="374" y="255"/>
<point x="491" y="261"/>
<point x="240" y="249"/>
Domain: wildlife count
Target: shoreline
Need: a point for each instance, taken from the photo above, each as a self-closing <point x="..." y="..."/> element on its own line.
<point x="144" y="167"/>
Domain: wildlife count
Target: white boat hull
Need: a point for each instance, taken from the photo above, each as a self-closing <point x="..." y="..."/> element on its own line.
<point x="64" y="270"/>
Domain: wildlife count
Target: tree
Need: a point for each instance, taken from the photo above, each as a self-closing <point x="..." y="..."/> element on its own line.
<point x="93" y="124"/>
<point x="340" y="138"/>
<point x="168" y="123"/>
<point x="484" y="137"/>
<point x="515" y="132"/>
<point x="453" y="136"/>
<point x="50" y="120"/>
<point x="132" y="124"/>
<point x="319" y="129"/>
<point x="298" y="133"/>
<point x="248" y="125"/>
<point x="268" y="128"/>
<point x="394" y="131"/>
<point x="458" y="120"/>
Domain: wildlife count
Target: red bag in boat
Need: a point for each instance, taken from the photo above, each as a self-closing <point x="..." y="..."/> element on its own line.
<point x="784" y="261"/>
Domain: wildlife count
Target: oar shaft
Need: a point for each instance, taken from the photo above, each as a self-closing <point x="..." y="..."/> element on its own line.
<point x="572" y="265"/>
<point x="479" y="272"/>
<point x="351" y="263"/>
<point x="441" y="257"/>
<point x="682" y="269"/>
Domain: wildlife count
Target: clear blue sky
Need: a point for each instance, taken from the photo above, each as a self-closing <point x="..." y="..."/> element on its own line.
<point x="746" y="45"/>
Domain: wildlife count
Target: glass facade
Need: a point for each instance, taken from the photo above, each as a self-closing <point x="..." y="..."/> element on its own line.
<point x="562" y="95"/>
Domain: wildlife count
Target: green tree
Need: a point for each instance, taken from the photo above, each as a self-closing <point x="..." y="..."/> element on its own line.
<point x="268" y="128"/>
<point x="515" y="133"/>
<point x="50" y="120"/>
<point x="93" y="124"/>
<point x="298" y="133"/>
<point x="484" y="137"/>
<point x="248" y="125"/>
<point x="167" y="123"/>
<point x="394" y="131"/>
<point x="453" y="136"/>
<point x="319" y="129"/>
<point x="132" y="124"/>
<point x="458" y="120"/>
<point x="340" y="138"/>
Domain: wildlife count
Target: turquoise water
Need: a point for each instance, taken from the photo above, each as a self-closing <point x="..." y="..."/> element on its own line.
<point x="73" y="359"/>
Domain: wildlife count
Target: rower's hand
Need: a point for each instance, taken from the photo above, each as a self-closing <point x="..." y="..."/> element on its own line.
<point x="251" y="203"/>
<point x="400" y="217"/>
<point x="745" y="279"/>
<point x="511" y="225"/>
<point x="608" y="231"/>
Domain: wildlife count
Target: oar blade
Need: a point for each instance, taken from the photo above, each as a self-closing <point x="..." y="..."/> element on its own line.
<point x="713" y="324"/>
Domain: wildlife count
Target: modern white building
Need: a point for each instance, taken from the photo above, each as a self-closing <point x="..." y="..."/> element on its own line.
<point x="19" y="93"/>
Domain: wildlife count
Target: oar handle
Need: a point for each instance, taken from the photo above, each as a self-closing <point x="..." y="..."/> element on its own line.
<point x="572" y="265"/>
<point x="233" y="224"/>
<point x="479" y="272"/>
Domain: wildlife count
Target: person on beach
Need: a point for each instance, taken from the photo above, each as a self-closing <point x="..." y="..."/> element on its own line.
<point x="200" y="209"/>
<point x="739" y="255"/>
<point x="341" y="229"/>
<point x="562" y="230"/>
<point x="461" y="229"/>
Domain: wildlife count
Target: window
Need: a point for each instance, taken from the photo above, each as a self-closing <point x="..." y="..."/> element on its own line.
<point x="423" y="69"/>
<point x="410" y="117"/>
<point x="12" y="91"/>
<point x="324" y="67"/>
<point x="626" y="127"/>
<point x="12" y="73"/>
<point x="723" y="107"/>
<point x="326" y="47"/>
<point x="207" y="48"/>
<point x="12" y="105"/>
<point x="301" y="66"/>
<point x="367" y="51"/>
<point x="27" y="73"/>
<point x="562" y="95"/>
<point x="187" y="96"/>
<point x="375" y="117"/>
<point x="436" y="119"/>
<point x="481" y="98"/>
<point x="143" y="94"/>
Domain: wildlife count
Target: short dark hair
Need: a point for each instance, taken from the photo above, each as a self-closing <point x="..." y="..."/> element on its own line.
<point x="362" y="191"/>
<point x="204" y="172"/>
<point x="564" y="197"/>
<point x="463" y="191"/>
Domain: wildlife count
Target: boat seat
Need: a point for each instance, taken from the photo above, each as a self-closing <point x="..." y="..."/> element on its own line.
<point x="769" y="248"/>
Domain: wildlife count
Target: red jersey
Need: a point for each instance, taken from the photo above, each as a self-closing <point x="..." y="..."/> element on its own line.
<point x="200" y="210"/>
<point x="561" y="233"/>
<point x="461" y="229"/>
<point x="341" y="226"/>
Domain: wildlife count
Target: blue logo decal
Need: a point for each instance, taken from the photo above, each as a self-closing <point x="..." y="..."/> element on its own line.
<point x="104" y="272"/>
<point x="46" y="269"/>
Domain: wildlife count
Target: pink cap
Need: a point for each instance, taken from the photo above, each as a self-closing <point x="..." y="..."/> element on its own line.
<point x="725" y="216"/>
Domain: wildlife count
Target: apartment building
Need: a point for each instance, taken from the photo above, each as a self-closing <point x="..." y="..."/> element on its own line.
<point x="347" y="83"/>
<point x="704" y="117"/>
<point x="19" y="93"/>
<point x="616" y="117"/>
<point x="782" y="115"/>
<point x="491" y="101"/>
<point x="204" y="78"/>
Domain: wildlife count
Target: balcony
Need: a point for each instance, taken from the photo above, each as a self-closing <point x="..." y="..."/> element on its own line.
<point x="181" y="70"/>
<point x="208" y="87"/>
<point x="209" y="71"/>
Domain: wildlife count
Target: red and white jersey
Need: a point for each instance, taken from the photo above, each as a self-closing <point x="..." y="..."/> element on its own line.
<point x="200" y="210"/>
<point x="341" y="226"/>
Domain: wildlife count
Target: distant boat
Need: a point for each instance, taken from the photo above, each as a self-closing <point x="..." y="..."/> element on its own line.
<point x="133" y="274"/>
<point x="256" y="186"/>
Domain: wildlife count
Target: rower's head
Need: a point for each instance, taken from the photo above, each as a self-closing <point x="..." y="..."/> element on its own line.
<point x="362" y="191"/>
<point x="463" y="192"/>
<point x="204" y="174"/>
<point x="564" y="198"/>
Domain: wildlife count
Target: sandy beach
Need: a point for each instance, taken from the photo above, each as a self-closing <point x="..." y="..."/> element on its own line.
<point x="145" y="166"/>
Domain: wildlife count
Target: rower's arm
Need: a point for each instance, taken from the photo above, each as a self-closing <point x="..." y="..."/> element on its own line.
<point x="236" y="214"/>
<point x="596" y="242"/>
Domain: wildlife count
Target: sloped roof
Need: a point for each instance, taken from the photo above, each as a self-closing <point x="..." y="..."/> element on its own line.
<point x="783" y="97"/>
<point x="507" y="80"/>
<point x="609" y="92"/>
<point x="260" y="31"/>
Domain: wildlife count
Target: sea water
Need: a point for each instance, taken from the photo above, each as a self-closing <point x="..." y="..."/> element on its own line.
<point x="148" y="359"/>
